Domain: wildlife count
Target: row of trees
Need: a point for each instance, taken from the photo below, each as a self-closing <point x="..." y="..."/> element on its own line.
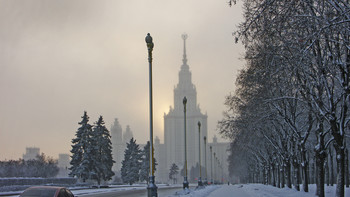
<point x="193" y="173"/>
<point x="135" y="166"/>
<point x="291" y="105"/>
<point x="92" y="155"/>
<point x="92" y="152"/>
<point x="42" y="166"/>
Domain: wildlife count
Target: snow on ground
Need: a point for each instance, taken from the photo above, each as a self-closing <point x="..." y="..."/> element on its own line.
<point x="104" y="190"/>
<point x="254" y="190"/>
<point x="203" y="191"/>
<point x="239" y="190"/>
<point x="83" y="191"/>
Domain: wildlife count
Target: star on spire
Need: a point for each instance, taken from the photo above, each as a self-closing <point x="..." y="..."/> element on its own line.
<point x="184" y="59"/>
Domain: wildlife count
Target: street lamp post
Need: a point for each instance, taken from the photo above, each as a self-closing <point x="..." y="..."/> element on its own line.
<point x="222" y="169"/>
<point x="200" y="183"/>
<point x="215" y="168"/>
<point x="185" y="183"/>
<point x="222" y="173"/>
<point x="205" y="160"/>
<point x="211" y="164"/>
<point x="219" y="171"/>
<point x="151" y="188"/>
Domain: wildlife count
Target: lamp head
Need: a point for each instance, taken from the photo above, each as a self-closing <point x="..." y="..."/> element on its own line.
<point x="149" y="41"/>
<point x="184" y="100"/>
<point x="148" y="38"/>
<point x="184" y="36"/>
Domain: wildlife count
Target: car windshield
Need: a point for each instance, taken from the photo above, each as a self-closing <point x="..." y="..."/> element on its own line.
<point x="39" y="192"/>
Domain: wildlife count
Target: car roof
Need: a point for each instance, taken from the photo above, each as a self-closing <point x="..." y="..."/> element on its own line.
<point x="48" y="187"/>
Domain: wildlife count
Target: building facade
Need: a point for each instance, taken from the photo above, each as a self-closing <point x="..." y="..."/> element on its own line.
<point x="63" y="163"/>
<point x="31" y="153"/>
<point x="119" y="140"/>
<point x="173" y="149"/>
<point x="174" y="134"/>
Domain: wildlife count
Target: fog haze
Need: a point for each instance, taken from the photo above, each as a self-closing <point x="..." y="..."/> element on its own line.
<point x="59" y="58"/>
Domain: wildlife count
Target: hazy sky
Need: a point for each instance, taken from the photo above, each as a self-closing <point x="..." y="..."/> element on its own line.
<point x="59" y="58"/>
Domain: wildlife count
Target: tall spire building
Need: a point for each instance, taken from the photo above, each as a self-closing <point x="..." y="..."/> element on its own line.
<point x="174" y="121"/>
<point x="172" y="150"/>
<point x="117" y="144"/>
<point x="119" y="140"/>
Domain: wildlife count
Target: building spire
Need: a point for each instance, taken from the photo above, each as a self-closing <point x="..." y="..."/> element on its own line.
<point x="184" y="59"/>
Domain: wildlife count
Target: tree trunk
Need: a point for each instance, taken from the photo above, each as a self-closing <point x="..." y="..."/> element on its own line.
<point x="326" y="171"/>
<point x="320" y="157"/>
<point x="266" y="175"/>
<point x="346" y="168"/>
<point x="259" y="175"/>
<point x="296" y="175"/>
<point x="304" y="167"/>
<point x="313" y="172"/>
<point x="289" y="182"/>
<point x="273" y="175"/>
<point x="251" y="176"/>
<point x="338" y="129"/>
<point x="331" y="170"/>
<point x="316" y="179"/>
<point x="341" y="173"/>
<point x="278" y="176"/>
<point x="254" y="179"/>
<point x="282" y="175"/>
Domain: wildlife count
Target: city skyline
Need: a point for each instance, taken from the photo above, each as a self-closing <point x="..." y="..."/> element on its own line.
<point x="59" y="59"/>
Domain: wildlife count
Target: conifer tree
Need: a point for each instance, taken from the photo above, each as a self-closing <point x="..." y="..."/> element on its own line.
<point x="81" y="157"/>
<point x="144" y="171"/>
<point x="131" y="163"/>
<point x="174" y="170"/>
<point x="101" y="148"/>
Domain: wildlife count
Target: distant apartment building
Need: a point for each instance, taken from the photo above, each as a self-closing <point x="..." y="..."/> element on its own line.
<point x="63" y="163"/>
<point x="31" y="153"/>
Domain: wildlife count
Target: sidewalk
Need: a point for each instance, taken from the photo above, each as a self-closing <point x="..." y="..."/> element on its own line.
<point x="259" y="190"/>
<point x="229" y="190"/>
